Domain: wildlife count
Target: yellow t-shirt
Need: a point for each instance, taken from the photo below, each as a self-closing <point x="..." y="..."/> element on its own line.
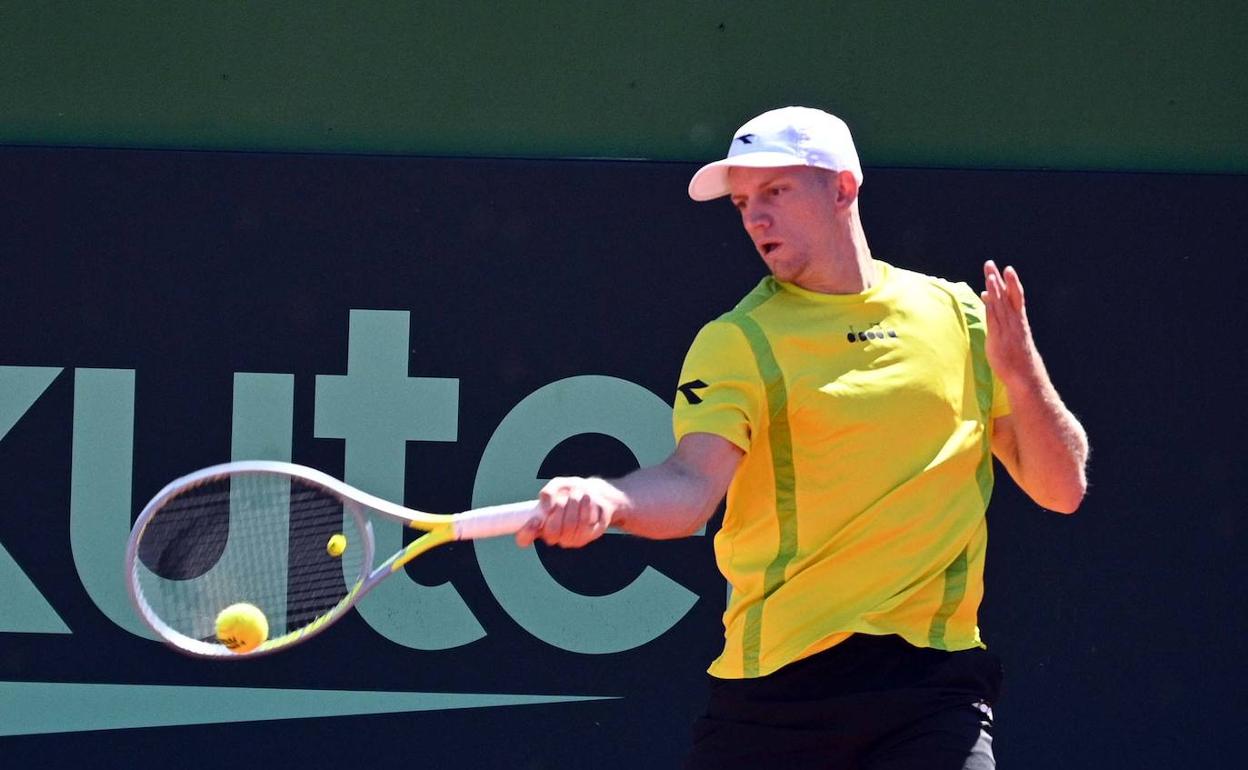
<point x="859" y="505"/>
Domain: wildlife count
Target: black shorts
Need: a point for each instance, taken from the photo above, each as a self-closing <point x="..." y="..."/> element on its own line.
<point x="869" y="703"/>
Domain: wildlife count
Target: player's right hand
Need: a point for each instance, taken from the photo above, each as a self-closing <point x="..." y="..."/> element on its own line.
<point x="576" y="511"/>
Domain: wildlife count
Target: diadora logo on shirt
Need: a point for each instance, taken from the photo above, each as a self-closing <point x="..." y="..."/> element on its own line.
<point x="876" y="332"/>
<point x="689" y="391"/>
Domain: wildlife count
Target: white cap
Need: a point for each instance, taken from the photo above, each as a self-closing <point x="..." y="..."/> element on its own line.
<point x="790" y="136"/>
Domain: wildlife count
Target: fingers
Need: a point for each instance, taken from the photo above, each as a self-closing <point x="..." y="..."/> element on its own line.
<point x="992" y="292"/>
<point x="1014" y="288"/>
<point x="1002" y="289"/>
<point x="994" y="284"/>
<point x="1009" y="347"/>
<point x="530" y="532"/>
<point x="575" y="519"/>
<point x="576" y="512"/>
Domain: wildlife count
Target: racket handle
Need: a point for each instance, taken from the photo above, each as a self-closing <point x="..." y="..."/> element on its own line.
<point x="495" y="520"/>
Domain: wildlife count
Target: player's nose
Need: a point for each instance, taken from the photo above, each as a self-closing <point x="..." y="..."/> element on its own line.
<point x="755" y="218"/>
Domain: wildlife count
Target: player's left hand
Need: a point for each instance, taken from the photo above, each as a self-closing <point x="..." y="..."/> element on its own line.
<point x="1010" y="348"/>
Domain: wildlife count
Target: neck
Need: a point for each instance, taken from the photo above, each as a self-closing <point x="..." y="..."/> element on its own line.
<point x="846" y="267"/>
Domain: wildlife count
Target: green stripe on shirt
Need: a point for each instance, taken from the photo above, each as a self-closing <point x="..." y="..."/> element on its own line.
<point x="955" y="573"/>
<point x="781" y="441"/>
<point x="955" y="590"/>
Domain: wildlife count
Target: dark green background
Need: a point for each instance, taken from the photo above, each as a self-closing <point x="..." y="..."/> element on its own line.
<point x="1114" y="85"/>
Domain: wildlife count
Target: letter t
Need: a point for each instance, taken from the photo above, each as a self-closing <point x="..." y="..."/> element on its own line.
<point x="377" y="408"/>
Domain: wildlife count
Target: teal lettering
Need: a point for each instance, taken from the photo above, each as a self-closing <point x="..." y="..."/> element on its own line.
<point x="23" y="609"/>
<point x="263" y="419"/>
<point x="102" y="465"/>
<point x="628" y="618"/>
<point x="100" y="489"/>
<point x="261" y="429"/>
<point x="377" y="408"/>
<point x="34" y="708"/>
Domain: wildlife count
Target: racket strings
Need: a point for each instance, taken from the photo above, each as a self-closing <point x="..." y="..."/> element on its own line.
<point x="256" y="538"/>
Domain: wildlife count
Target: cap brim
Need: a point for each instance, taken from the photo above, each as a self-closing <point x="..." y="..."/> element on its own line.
<point x="711" y="181"/>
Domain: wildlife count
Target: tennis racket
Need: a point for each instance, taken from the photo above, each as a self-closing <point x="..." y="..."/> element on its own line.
<point x="272" y="535"/>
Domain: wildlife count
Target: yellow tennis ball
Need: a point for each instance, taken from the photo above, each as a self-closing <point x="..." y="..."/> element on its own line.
<point x="336" y="545"/>
<point x="242" y="627"/>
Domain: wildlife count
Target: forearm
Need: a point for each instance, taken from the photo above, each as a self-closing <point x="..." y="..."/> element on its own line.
<point x="1049" y="446"/>
<point x="665" y="501"/>
<point x="668" y="500"/>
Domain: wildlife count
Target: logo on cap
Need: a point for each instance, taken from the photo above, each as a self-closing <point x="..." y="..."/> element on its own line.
<point x="746" y="139"/>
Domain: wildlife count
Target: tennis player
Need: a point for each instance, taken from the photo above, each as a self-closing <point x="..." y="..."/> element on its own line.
<point x="849" y="409"/>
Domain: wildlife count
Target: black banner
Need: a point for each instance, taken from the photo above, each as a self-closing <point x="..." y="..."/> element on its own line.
<point x="451" y="332"/>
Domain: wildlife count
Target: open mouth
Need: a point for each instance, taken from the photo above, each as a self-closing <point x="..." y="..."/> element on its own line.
<point x="768" y="246"/>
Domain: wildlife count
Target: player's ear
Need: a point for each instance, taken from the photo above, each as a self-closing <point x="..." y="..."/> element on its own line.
<point x="846" y="189"/>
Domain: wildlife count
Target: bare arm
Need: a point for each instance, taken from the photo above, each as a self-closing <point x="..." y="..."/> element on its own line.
<point x="1041" y="443"/>
<point x="668" y="500"/>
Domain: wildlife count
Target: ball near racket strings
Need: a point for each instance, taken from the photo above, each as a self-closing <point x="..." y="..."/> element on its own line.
<point x="242" y="627"/>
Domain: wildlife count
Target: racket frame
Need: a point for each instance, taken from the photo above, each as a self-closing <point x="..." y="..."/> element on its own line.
<point x="438" y="528"/>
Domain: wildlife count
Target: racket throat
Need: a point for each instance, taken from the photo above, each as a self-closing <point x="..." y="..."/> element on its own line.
<point x="421" y="544"/>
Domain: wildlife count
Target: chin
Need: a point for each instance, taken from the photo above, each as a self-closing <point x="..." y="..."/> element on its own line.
<point x="784" y="273"/>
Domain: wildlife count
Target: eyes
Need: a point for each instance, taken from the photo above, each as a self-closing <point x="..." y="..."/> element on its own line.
<point x="770" y="192"/>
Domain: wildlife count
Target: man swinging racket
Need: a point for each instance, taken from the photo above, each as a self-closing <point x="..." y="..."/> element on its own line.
<point x="850" y="411"/>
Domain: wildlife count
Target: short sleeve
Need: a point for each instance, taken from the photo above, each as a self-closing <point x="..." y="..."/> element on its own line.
<point x="719" y="391"/>
<point x="976" y="318"/>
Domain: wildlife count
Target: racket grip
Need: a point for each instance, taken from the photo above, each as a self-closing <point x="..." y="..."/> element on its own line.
<point x="495" y="520"/>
